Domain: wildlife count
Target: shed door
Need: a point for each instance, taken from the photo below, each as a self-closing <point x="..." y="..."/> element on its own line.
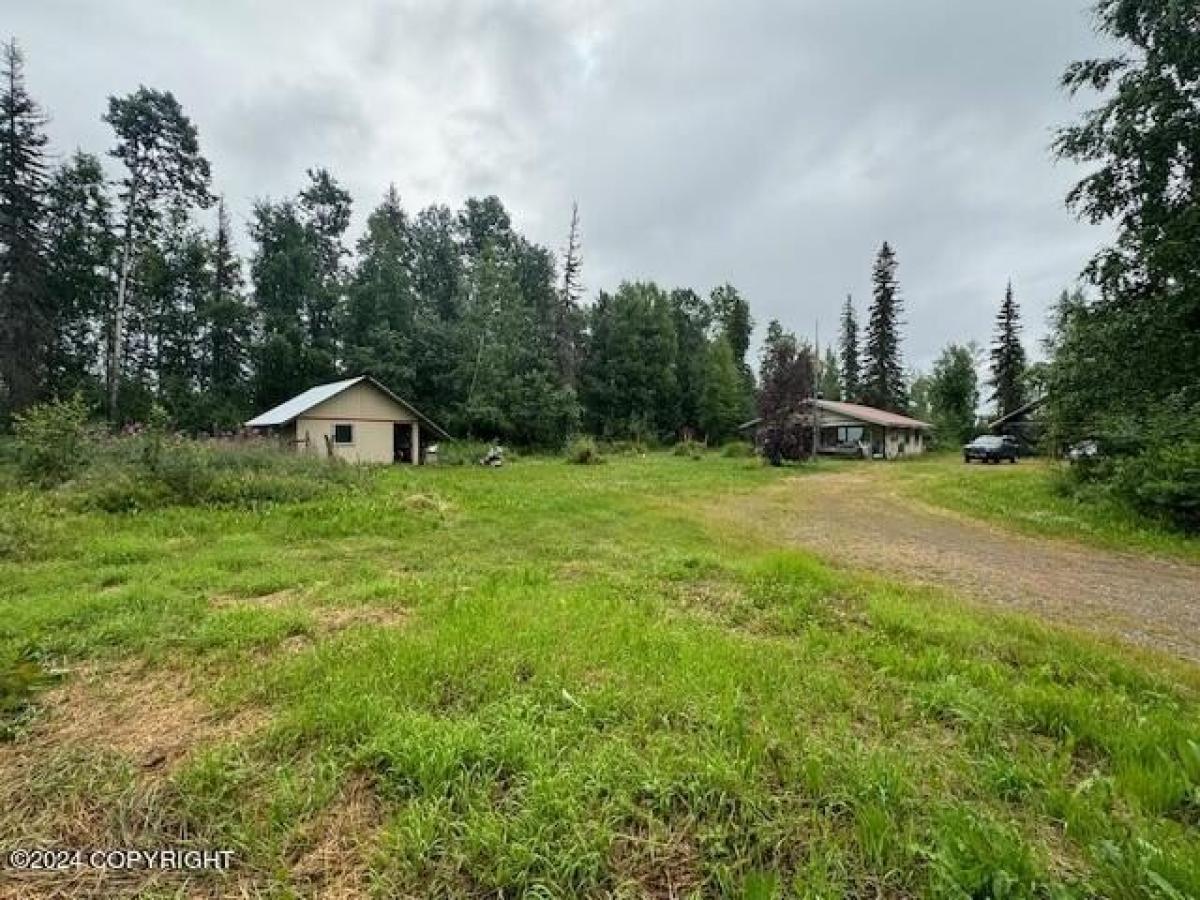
<point x="401" y="442"/>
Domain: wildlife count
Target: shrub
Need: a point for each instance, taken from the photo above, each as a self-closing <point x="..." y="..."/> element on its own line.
<point x="50" y="439"/>
<point x="1163" y="481"/>
<point x="738" y="450"/>
<point x="139" y="474"/>
<point x="689" y="448"/>
<point x="582" y="451"/>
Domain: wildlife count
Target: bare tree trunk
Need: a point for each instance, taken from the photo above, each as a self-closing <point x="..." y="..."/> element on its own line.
<point x="118" y="328"/>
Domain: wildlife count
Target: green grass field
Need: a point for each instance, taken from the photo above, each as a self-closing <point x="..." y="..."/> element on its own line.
<point x="554" y="680"/>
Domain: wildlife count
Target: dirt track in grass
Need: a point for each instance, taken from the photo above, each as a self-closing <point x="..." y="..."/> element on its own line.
<point x="861" y="518"/>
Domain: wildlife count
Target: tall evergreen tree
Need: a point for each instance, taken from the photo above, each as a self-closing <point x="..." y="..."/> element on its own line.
<point x="25" y="316"/>
<point x="831" y="382"/>
<point x="325" y="209"/>
<point x="174" y="278"/>
<point x="227" y="323"/>
<point x="439" y="285"/>
<point x="851" y="385"/>
<point x="883" y="372"/>
<point x="81" y="261"/>
<point x="284" y="273"/>
<point x="692" y="319"/>
<point x="1008" y="357"/>
<point x="377" y="330"/>
<point x="160" y="150"/>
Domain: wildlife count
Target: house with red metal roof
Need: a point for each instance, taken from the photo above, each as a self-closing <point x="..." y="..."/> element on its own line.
<point x="852" y="429"/>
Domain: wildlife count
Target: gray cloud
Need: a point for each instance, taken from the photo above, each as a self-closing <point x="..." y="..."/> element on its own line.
<point x="771" y="144"/>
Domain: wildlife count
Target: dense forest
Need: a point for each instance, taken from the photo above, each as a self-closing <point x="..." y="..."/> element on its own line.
<point x="131" y="294"/>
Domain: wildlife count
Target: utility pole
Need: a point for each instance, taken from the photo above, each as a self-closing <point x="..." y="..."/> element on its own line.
<point x="816" y="391"/>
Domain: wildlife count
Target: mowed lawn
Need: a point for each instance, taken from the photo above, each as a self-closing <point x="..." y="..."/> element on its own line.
<point x="553" y="680"/>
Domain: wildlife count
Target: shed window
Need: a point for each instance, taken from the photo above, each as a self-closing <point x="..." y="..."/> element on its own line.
<point x="343" y="434"/>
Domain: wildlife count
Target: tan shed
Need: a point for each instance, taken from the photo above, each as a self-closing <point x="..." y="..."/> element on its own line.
<point x="358" y="420"/>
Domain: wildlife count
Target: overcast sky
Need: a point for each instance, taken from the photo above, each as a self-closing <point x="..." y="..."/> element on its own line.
<point x="774" y="145"/>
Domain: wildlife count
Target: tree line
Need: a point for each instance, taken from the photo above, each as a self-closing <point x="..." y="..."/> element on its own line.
<point x="114" y="290"/>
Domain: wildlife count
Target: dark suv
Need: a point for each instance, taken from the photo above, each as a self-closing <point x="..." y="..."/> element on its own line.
<point x="990" y="448"/>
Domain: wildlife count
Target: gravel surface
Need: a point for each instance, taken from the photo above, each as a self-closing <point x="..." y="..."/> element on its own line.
<point x="859" y="518"/>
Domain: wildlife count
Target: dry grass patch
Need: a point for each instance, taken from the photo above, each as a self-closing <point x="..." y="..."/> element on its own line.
<point x="94" y="772"/>
<point x="333" y="853"/>
<point x="152" y="717"/>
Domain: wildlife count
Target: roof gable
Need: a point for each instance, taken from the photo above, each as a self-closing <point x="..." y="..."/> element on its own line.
<point x="292" y="409"/>
<point x="871" y="414"/>
<point x="301" y="403"/>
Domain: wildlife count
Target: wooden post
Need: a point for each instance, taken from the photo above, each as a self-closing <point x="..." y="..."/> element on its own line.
<point x="416" y="444"/>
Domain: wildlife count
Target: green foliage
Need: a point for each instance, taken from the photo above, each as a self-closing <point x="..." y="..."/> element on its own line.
<point x="851" y="387"/>
<point x="882" y="370"/>
<point x="830" y="381"/>
<point x="1054" y="499"/>
<point x="1123" y="356"/>
<point x="19" y="679"/>
<point x="738" y="450"/>
<point x="1008" y="358"/>
<point x="689" y="448"/>
<point x="785" y="380"/>
<point x="583" y="451"/>
<point x="164" y="173"/>
<point x="25" y="306"/>
<point x="1163" y="481"/>
<point x="50" y="440"/>
<point x="722" y="400"/>
<point x="629" y="383"/>
<point x="954" y="394"/>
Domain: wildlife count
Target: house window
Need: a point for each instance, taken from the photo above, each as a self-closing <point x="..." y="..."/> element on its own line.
<point x="343" y="434"/>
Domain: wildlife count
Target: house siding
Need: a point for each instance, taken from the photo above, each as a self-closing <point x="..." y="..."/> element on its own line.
<point x="371" y="412"/>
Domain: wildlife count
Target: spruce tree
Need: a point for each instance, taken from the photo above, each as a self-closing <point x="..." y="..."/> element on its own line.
<point x="284" y="274"/>
<point x="883" y="373"/>
<point x="25" y="317"/>
<point x="324" y="207"/>
<point x="692" y="316"/>
<point x="830" y="383"/>
<point x="377" y="328"/>
<point x="851" y="386"/>
<point x="227" y="323"/>
<point x="81" y="263"/>
<point x="1008" y="357"/>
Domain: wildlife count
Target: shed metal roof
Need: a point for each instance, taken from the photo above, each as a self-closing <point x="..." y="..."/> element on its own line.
<point x="291" y="409"/>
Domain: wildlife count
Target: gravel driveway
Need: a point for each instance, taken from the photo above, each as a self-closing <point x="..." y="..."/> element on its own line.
<point x="861" y="519"/>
